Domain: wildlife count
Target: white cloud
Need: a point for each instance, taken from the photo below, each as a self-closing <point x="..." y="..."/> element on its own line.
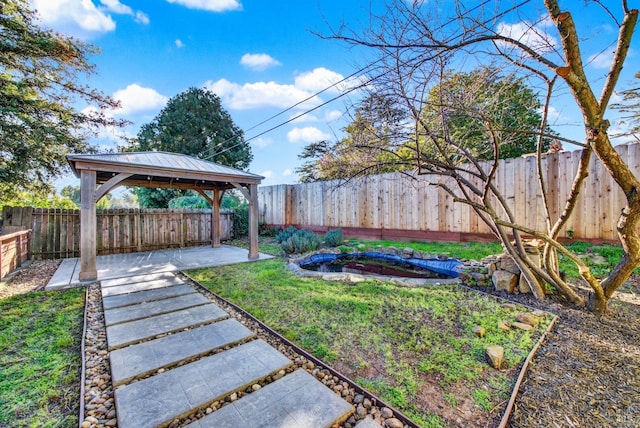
<point x="71" y="13"/>
<point x="258" y="62"/>
<point x="307" y="134"/>
<point x="210" y="5"/>
<point x="135" y="98"/>
<point x="260" y="94"/>
<point x="141" y="18"/>
<point x="287" y="172"/>
<point x="553" y="115"/>
<point x="81" y="18"/>
<point x="266" y="174"/>
<point x="332" y="115"/>
<point x="305" y="118"/>
<point x="602" y="60"/>
<point x="531" y="35"/>
<point x="116" y="7"/>
<point x="318" y="79"/>
<point x="262" y="142"/>
<point x="179" y="43"/>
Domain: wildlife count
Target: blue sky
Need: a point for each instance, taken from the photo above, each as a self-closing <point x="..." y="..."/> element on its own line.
<point x="260" y="57"/>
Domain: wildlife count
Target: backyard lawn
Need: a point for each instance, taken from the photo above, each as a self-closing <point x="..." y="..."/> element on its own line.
<point x="414" y="347"/>
<point x="40" y="337"/>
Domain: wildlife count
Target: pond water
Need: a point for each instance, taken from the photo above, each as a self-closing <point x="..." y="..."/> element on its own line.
<point x="373" y="263"/>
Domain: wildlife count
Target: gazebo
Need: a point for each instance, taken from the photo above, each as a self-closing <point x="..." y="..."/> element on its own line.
<point x="101" y="173"/>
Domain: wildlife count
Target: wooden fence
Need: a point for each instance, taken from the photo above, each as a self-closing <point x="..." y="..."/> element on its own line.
<point x="398" y="206"/>
<point x="56" y="232"/>
<point x="14" y="250"/>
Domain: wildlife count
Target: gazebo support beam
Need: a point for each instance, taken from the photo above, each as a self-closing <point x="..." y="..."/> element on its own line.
<point x="251" y="193"/>
<point x="253" y="221"/>
<point x="88" y="270"/>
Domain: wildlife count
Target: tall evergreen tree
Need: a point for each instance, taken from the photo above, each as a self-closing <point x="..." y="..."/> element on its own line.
<point x="194" y="123"/>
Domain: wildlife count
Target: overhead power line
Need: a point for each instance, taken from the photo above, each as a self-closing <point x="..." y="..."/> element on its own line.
<point x="361" y="70"/>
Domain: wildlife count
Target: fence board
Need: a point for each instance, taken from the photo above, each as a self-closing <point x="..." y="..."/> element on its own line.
<point x="56" y="232"/>
<point x="396" y="201"/>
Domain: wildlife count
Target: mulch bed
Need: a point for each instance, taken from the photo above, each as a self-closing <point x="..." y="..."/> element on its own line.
<point x="587" y="373"/>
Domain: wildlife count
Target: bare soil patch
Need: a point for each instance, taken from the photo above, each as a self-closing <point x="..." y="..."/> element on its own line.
<point x="33" y="276"/>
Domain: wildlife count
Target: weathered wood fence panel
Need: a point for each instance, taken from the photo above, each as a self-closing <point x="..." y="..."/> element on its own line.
<point x="402" y="203"/>
<point x="14" y="250"/>
<point x="56" y="232"/>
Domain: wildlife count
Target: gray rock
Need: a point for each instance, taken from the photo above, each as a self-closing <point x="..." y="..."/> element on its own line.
<point x="523" y="285"/>
<point x="386" y="412"/>
<point x="522" y="326"/>
<point x="507" y="263"/>
<point x="504" y="281"/>
<point x="527" y="319"/>
<point x="504" y="325"/>
<point x="393" y="423"/>
<point x="495" y="355"/>
<point x="479" y="331"/>
<point x="407" y="252"/>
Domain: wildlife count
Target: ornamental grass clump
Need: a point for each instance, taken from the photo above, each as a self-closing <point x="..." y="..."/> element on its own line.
<point x="297" y="241"/>
<point x="334" y="238"/>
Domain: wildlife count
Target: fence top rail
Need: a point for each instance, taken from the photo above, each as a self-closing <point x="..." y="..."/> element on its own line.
<point x="14" y="234"/>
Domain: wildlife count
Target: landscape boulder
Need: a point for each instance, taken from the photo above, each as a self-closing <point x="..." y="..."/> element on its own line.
<point x="504" y="281"/>
<point x="495" y="355"/>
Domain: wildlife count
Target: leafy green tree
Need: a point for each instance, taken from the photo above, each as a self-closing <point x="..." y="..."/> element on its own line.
<point x="470" y="107"/>
<point x="71" y="192"/>
<point x="21" y="198"/>
<point x="40" y="84"/>
<point x="371" y="145"/>
<point x="194" y="123"/>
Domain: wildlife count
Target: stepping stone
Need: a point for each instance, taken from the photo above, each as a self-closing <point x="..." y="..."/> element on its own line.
<point x="145" y="358"/>
<point x="139" y="286"/>
<point x="114" y="282"/>
<point x="368" y="423"/>
<point x="159" y="399"/>
<point x="111" y="302"/>
<point x="120" y="335"/>
<point x="296" y="400"/>
<point x="157" y="307"/>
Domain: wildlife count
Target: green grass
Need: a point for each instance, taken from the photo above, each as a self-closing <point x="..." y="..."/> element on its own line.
<point x="392" y="339"/>
<point x="461" y="250"/>
<point x="40" y="359"/>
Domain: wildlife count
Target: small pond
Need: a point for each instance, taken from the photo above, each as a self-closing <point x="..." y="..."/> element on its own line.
<point x="374" y="263"/>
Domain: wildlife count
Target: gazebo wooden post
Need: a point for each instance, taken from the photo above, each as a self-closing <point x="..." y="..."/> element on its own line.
<point x="215" y="219"/>
<point x="88" y="270"/>
<point x="253" y="221"/>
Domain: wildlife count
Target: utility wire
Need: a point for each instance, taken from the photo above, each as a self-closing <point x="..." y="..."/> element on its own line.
<point x="350" y="89"/>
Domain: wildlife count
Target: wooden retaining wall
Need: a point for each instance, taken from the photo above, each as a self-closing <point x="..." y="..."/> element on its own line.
<point x="14" y="250"/>
<point x="56" y="232"/>
<point x="394" y="205"/>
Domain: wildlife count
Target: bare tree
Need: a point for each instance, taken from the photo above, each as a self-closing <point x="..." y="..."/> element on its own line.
<point x="417" y="42"/>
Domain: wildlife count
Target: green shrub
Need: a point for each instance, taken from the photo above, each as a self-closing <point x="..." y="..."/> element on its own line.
<point x="294" y="241"/>
<point x="334" y="238"/>
<point x="286" y="234"/>
<point x="241" y="221"/>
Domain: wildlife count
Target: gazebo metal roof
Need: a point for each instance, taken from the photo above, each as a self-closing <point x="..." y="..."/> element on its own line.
<point x="162" y="169"/>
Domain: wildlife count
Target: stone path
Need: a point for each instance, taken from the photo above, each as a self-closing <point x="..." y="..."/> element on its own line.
<point x="172" y="351"/>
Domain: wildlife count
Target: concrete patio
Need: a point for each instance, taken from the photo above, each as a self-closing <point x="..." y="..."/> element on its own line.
<point x="150" y="262"/>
